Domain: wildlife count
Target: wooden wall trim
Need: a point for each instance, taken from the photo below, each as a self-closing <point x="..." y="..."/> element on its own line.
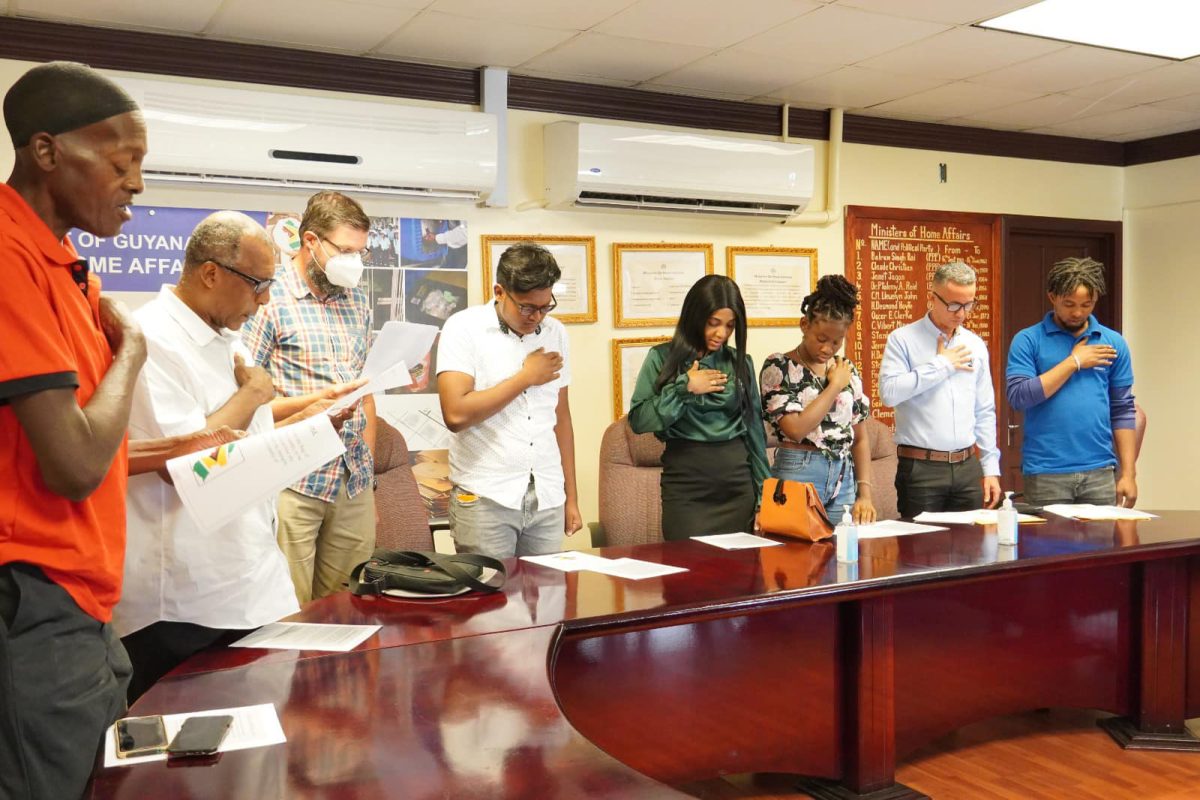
<point x="981" y="141"/>
<point x="1163" y="148"/>
<point x="195" y="57"/>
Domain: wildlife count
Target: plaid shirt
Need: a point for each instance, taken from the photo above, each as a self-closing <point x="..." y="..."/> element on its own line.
<point x="307" y="344"/>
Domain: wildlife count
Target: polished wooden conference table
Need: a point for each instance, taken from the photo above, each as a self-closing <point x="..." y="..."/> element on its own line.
<point x="776" y="660"/>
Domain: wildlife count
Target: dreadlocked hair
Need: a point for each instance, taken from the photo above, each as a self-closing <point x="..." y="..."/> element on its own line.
<point x="834" y="299"/>
<point x="1069" y="274"/>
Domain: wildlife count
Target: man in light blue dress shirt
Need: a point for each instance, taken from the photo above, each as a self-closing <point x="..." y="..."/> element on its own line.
<point x="935" y="374"/>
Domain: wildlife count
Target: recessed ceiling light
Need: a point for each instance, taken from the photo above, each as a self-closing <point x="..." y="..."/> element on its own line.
<point x="1164" y="28"/>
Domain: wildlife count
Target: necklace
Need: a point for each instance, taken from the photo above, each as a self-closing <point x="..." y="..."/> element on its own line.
<point x="801" y="360"/>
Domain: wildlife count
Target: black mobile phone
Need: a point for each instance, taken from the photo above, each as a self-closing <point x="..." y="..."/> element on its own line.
<point x="140" y="736"/>
<point x="200" y="736"/>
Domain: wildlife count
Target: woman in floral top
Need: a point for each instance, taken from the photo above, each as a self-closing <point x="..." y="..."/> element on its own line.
<point x="814" y="401"/>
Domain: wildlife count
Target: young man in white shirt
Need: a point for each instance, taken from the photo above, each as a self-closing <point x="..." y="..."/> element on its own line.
<point x="503" y="374"/>
<point x="186" y="588"/>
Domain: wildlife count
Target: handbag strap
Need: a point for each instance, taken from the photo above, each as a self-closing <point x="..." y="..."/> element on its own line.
<point x="779" y="496"/>
<point x="448" y="563"/>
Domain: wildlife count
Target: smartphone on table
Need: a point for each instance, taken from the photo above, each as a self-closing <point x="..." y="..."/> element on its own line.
<point x="200" y="736"/>
<point x="140" y="736"/>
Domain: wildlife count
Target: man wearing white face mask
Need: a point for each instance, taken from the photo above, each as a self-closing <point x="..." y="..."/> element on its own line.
<point x="312" y="338"/>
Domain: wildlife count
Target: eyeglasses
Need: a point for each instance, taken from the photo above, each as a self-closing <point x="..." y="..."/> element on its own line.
<point x="954" y="308"/>
<point x="528" y="310"/>
<point x="259" y="285"/>
<point x="346" y="251"/>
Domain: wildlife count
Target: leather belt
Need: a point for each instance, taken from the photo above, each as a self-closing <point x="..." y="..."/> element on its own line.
<point x="788" y="444"/>
<point x="925" y="454"/>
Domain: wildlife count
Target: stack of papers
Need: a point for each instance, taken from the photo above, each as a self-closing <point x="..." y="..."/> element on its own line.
<point x="1090" y="512"/>
<point x="893" y="527"/>
<point x="982" y="516"/>
<point x="630" y="568"/>
<point x="253" y="726"/>
<point x="308" y="636"/>
<point x="736" y="541"/>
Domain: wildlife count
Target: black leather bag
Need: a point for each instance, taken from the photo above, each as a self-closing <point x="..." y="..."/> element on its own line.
<point x="423" y="572"/>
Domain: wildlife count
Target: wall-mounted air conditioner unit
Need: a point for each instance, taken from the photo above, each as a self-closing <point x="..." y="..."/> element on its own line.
<point x="259" y="137"/>
<point x="616" y="166"/>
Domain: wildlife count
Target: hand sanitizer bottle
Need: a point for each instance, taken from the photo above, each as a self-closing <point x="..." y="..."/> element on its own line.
<point x="1006" y="522"/>
<point x="847" y="538"/>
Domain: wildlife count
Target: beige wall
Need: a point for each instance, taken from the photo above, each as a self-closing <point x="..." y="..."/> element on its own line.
<point x="1162" y="240"/>
<point x="1155" y="234"/>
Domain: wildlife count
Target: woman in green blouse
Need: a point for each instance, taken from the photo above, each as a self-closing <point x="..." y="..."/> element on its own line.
<point x="699" y="395"/>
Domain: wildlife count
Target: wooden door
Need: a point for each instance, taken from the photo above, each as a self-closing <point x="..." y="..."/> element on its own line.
<point x="1029" y="247"/>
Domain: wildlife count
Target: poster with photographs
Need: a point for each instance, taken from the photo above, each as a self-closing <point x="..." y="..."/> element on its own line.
<point x="416" y="271"/>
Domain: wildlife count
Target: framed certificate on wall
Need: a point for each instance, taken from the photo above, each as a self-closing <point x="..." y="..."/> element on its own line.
<point x="576" y="257"/>
<point x="773" y="281"/>
<point x="650" y="281"/>
<point x="627" y="358"/>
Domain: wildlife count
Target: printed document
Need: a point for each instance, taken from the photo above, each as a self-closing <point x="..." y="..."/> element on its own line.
<point x="982" y="516"/>
<point x="736" y="541"/>
<point x="893" y="527"/>
<point x="1086" y="511"/>
<point x="308" y="636"/>
<point x="217" y="485"/>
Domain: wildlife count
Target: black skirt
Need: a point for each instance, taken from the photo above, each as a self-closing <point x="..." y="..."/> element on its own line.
<point x="707" y="487"/>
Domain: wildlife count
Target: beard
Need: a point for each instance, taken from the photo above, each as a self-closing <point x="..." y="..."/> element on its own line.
<point x="317" y="277"/>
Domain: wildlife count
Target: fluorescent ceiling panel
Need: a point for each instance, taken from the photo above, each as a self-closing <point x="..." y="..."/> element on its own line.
<point x="1165" y="28"/>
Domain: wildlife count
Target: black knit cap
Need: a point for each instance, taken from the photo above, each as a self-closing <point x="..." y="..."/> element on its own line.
<point x="61" y="96"/>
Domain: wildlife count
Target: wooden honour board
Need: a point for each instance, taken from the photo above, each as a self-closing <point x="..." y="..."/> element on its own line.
<point x="891" y="255"/>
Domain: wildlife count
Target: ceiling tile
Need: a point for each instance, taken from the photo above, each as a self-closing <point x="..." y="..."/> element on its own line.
<point x="1115" y="123"/>
<point x="470" y="42"/>
<point x="155" y="14"/>
<point x="1049" y="109"/>
<point x="617" y="57"/>
<point x="741" y="73"/>
<point x="1164" y="83"/>
<point x="960" y="53"/>
<point x="956" y="12"/>
<point x="952" y="100"/>
<point x="837" y="35"/>
<point x="1189" y="103"/>
<point x="1132" y="136"/>
<point x="1067" y="69"/>
<point x="853" y="87"/>
<point x="539" y="13"/>
<point x="344" y="25"/>
<point x="708" y="23"/>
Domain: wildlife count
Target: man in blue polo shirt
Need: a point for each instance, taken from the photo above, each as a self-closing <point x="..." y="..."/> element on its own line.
<point x="1074" y="380"/>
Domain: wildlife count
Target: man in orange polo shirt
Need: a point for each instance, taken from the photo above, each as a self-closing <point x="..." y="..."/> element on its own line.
<point x="68" y="364"/>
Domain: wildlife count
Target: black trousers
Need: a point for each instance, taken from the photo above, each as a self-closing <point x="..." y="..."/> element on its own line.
<point x="938" y="486"/>
<point x="707" y="487"/>
<point x="62" y="683"/>
<point x="157" y="649"/>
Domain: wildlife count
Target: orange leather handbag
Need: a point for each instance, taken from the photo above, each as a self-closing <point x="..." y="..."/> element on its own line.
<point x="794" y="510"/>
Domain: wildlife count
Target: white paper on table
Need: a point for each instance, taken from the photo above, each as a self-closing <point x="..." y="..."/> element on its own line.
<point x="893" y="527"/>
<point x="634" y="569"/>
<point x="390" y="378"/>
<point x="736" y="541"/>
<point x="217" y="485"/>
<point x="397" y="342"/>
<point x="308" y="636"/>
<point x="1086" y="511"/>
<point x="253" y="726"/>
<point x="568" y="561"/>
<point x="982" y="516"/>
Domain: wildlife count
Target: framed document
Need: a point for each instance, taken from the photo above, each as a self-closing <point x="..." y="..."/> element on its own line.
<point x="650" y="280"/>
<point x="576" y="257"/>
<point x="773" y="280"/>
<point x="628" y="355"/>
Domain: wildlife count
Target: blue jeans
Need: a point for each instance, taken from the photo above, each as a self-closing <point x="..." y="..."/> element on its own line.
<point x="824" y="473"/>
<point x="481" y="525"/>
<point x="1098" y="487"/>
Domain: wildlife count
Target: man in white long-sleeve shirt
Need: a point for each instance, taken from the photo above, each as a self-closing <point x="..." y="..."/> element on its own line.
<point x="935" y="374"/>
